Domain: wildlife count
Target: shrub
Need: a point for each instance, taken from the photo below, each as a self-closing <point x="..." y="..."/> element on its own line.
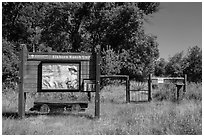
<point x="9" y="63"/>
<point x="111" y="63"/>
<point x="168" y="92"/>
<point x="165" y="92"/>
<point x="194" y="92"/>
<point x="113" y="94"/>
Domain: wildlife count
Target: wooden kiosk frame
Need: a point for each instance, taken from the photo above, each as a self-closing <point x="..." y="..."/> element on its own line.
<point x="30" y="73"/>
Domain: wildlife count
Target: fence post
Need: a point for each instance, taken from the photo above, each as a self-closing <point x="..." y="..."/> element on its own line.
<point x="21" y="94"/>
<point x="98" y="73"/>
<point x="127" y="89"/>
<point x="150" y="87"/>
<point x="89" y="96"/>
<point x="185" y="83"/>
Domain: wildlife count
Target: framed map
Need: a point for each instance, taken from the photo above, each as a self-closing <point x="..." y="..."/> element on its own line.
<point x="60" y="76"/>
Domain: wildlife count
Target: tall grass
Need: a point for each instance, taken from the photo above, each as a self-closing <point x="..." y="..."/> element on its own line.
<point x="168" y="92"/>
<point x="159" y="117"/>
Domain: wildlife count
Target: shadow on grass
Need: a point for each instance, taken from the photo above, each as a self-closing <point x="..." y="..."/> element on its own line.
<point x="35" y="114"/>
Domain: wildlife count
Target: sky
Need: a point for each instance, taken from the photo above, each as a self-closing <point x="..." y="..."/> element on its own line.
<point x="177" y="25"/>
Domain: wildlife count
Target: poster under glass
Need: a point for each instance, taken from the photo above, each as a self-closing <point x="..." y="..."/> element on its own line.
<point x="60" y="76"/>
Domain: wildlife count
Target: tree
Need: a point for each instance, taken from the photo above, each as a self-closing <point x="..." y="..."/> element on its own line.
<point x="76" y="27"/>
<point x="72" y="27"/>
<point x="175" y="65"/>
<point x="139" y="60"/>
<point x="9" y="62"/>
<point x="193" y="64"/>
<point x="111" y="63"/>
<point x="12" y="28"/>
<point x="120" y="25"/>
<point x="63" y="26"/>
<point x="20" y="22"/>
<point x="160" y="67"/>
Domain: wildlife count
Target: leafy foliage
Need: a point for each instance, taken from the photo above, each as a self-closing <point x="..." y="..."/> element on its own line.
<point x="76" y="27"/>
<point x="175" y="65"/>
<point x="139" y="60"/>
<point x="9" y="62"/>
<point x="160" y="67"/>
<point x="193" y="64"/>
<point x="111" y="63"/>
<point x="180" y="64"/>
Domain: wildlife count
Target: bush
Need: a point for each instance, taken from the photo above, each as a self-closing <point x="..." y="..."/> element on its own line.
<point x="111" y="63"/>
<point x="9" y="62"/>
<point x="165" y="92"/>
<point x="168" y="92"/>
<point x="194" y="92"/>
<point x="114" y="94"/>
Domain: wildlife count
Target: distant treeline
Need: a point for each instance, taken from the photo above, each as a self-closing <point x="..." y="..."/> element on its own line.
<point x="176" y="66"/>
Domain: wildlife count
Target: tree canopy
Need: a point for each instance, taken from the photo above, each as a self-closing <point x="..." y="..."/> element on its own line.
<point x="80" y="26"/>
<point x="180" y="64"/>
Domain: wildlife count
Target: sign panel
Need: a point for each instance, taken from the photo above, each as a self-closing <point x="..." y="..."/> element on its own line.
<point x="89" y="85"/>
<point x="58" y="72"/>
<point x="32" y="56"/>
<point x="160" y="80"/>
<point x="60" y="76"/>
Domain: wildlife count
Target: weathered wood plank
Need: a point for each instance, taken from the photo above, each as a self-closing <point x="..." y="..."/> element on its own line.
<point x="32" y="68"/>
<point x="21" y="97"/>
<point x="31" y="80"/>
<point x="168" y="78"/>
<point x="30" y="85"/>
<point x="33" y="63"/>
<point x="30" y="89"/>
<point x="32" y="72"/>
<point x="34" y="76"/>
<point x="97" y="78"/>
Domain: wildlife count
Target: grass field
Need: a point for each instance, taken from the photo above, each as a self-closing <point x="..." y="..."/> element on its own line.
<point x="117" y="117"/>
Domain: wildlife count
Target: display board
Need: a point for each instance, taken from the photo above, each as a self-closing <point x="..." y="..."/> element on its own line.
<point x="47" y="72"/>
<point x="58" y="72"/>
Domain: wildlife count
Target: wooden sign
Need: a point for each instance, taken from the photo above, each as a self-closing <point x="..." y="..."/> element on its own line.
<point x="89" y="85"/>
<point x="59" y="56"/>
<point x="57" y="71"/>
<point x="160" y="80"/>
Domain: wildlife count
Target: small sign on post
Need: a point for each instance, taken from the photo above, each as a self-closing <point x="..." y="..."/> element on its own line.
<point x="160" y="80"/>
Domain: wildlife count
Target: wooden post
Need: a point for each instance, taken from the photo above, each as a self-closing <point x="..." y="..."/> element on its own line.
<point x="150" y="87"/>
<point x="185" y="83"/>
<point x="127" y="90"/>
<point x="177" y="96"/>
<point x="22" y="69"/>
<point x="98" y="73"/>
<point x="178" y="87"/>
<point x="89" y="96"/>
